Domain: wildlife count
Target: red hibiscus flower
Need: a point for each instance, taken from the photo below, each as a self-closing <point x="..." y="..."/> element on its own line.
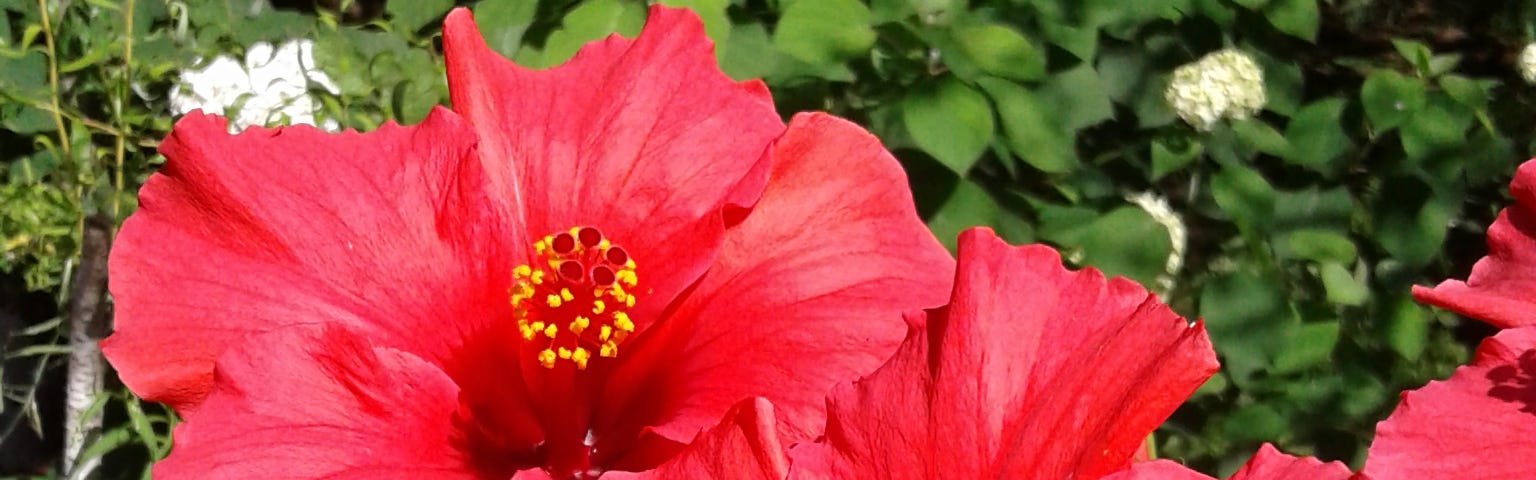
<point x="1480" y="424"/>
<point x="575" y="271"/>
<point x="1502" y="287"/>
<point x="1031" y="371"/>
<point x="1268" y="464"/>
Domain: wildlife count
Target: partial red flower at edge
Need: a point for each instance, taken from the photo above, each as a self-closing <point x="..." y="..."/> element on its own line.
<point x="582" y="272"/>
<point x="1480" y="424"/>
<point x="1031" y="371"/>
<point x="1267" y="464"/>
<point x="1502" y="287"/>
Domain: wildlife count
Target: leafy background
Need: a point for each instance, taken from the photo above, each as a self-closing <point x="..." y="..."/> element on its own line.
<point x="1391" y="132"/>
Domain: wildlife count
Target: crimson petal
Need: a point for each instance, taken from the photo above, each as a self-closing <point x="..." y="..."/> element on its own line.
<point x="1479" y="424"/>
<point x="743" y="446"/>
<point x="1502" y="287"/>
<point x="242" y="234"/>
<point x="807" y="292"/>
<point x="644" y="139"/>
<point x="318" y="401"/>
<point x="1032" y="371"/>
<point x="1268" y="464"/>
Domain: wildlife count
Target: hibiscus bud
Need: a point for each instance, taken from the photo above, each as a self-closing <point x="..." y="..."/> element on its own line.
<point x="1224" y="84"/>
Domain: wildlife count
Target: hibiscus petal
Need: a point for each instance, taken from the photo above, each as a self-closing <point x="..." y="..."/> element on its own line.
<point x="1479" y="424"/>
<point x="807" y="292"/>
<point x="743" y="446"/>
<point x="1032" y="371"/>
<point x="1502" y="287"/>
<point x="385" y="231"/>
<point x="1268" y="464"/>
<point x="644" y="139"/>
<point x="318" y="401"/>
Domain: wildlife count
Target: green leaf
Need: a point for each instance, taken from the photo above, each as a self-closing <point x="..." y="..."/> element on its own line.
<point x="1321" y="246"/>
<point x="1168" y="159"/>
<point x="413" y="15"/>
<point x="968" y="206"/>
<point x="712" y="12"/>
<point x="1315" y="135"/>
<point x="1341" y="286"/>
<point x="1471" y="93"/>
<point x="1311" y="345"/>
<point x="1390" y="99"/>
<point x="951" y="121"/>
<point x="1410" y="220"/>
<point x="1407" y="328"/>
<point x="1441" y="124"/>
<point x="1127" y="241"/>
<point x="824" y="32"/>
<point x="1257" y="135"/>
<point x="1000" y="51"/>
<point x="589" y="21"/>
<point x="1248" y="319"/>
<point x="504" y="23"/>
<point x="1029" y="130"/>
<point x="1297" y="18"/>
<point x="1077" y="97"/>
<point x="748" y="53"/>
<point x="1245" y="195"/>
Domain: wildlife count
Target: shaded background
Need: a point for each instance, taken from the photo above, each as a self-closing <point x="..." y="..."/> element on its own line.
<point x="1392" y="130"/>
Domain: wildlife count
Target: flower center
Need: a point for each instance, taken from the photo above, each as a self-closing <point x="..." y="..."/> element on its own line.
<point x="572" y="301"/>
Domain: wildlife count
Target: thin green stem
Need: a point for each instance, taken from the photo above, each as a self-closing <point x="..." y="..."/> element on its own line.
<point x="53" y="75"/>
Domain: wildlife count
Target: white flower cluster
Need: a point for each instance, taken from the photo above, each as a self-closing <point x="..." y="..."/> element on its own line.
<point x="1527" y="63"/>
<point x="272" y="86"/>
<point x="1224" y="84"/>
<point x="1178" y="236"/>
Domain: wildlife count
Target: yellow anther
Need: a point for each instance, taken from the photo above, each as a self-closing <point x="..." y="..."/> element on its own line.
<point x="604" y="333"/>
<point x="537" y="277"/>
<point x="565" y="293"/>
<point x="522" y="271"/>
<point x="538" y="326"/>
<point x="580" y="356"/>
<point x="553" y="301"/>
<point x="598" y="306"/>
<point x="629" y="301"/>
<point x="580" y="325"/>
<point x="630" y="264"/>
<point x="628" y="277"/>
<point x="602" y="245"/>
<point x="541" y="245"/>
<point x="565" y="353"/>
<point x="550" y="331"/>
<point x="547" y="358"/>
<point x="621" y="320"/>
<point x="609" y="350"/>
<point x="527" y="331"/>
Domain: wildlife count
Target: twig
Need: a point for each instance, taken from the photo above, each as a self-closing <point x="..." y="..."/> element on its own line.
<point x="86" y="326"/>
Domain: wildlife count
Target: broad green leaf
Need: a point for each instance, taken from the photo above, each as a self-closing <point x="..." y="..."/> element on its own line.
<point x="951" y="121"/>
<point x="1472" y="93"/>
<point x="1126" y="241"/>
<point x="1315" y="135"/>
<point x="1439" y="125"/>
<point x="1341" y="286"/>
<point x="413" y="15"/>
<point x="1390" y="99"/>
<point x="1407" y="328"/>
<point x="1248" y="318"/>
<point x="1321" y="245"/>
<point x="748" y="53"/>
<point x="1410" y="220"/>
<point x="824" y="32"/>
<point x="1259" y="136"/>
<point x="1297" y="18"/>
<point x="1077" y="98"/>
<point x="1000" y="51"/>
<point x="503" y="23"/>
<point x="1168" y="158"/>
<point x="1028" y="128"/>
<point x="1311" y="345"/>
<point x="590" y="21"/>
<point x="967" y="206"/>
<point x="1245" y="195"/>
<point x="712" y="12"/>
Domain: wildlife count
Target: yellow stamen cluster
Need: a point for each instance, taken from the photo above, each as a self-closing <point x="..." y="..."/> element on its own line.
<point x="573" y="298"/>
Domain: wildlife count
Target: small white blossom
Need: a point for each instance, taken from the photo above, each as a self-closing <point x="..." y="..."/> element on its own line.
<point x="1527" y="63"/>
<point x="1158" y="208"/>
<point x="1224" y="84"/>
<point x="271" y="86"/>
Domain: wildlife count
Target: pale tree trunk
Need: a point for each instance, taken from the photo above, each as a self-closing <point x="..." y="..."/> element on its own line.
<point x="87" y="325"/>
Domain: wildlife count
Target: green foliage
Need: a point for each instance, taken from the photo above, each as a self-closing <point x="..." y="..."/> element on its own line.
<point x="1306" y="225"/>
